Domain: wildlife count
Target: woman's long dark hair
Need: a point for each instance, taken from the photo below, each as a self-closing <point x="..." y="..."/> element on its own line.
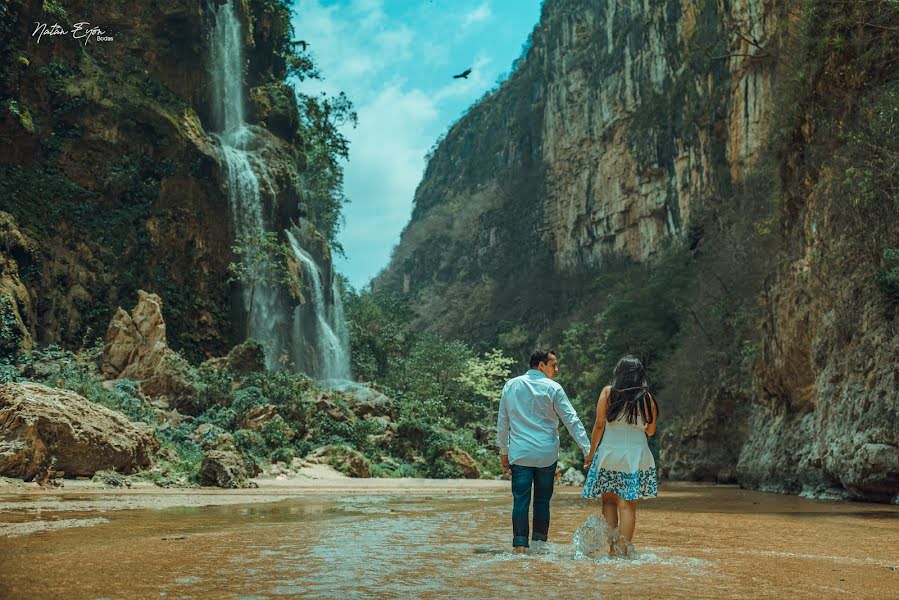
<point x="630" y="392"/>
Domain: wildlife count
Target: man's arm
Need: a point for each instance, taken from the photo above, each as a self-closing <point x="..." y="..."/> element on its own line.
<point x="566" y="412"/>
<point x="502" y="430"/>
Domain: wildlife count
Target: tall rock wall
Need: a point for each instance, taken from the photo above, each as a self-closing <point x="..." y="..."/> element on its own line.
<point x="617" y="121"/>
<point x="629" y="125"/>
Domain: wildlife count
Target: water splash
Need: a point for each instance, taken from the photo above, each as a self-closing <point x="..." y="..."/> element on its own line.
<point x="590" y="537"/>
<point x="595" y="536"/>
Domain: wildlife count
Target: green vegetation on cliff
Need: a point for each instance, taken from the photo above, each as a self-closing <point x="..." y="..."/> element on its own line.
<point x="107" y="163"/>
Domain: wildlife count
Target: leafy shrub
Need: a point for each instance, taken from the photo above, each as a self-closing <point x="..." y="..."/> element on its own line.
<point x="251" y="443"/>
<point x="276" y="433"/>
<point x="179" y="457"/>
<point x="8" y="372"/>
<point x="247" y="398"/>
<point x="219" y="416"/>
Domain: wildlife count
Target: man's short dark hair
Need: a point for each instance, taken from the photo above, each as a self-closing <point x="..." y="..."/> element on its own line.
<point x="541" y="356"/>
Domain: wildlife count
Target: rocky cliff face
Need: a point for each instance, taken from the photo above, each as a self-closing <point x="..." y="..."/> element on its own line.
<point x="107" y="165"/>
<point x="627" y="126"/>
<point x="618" y="120"/>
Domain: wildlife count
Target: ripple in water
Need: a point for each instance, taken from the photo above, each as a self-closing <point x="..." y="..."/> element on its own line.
<point x="590" y="543"/>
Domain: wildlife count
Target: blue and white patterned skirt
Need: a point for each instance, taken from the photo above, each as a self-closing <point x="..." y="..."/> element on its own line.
<point x="630" y="486"/>
<point x="623" y="465"/>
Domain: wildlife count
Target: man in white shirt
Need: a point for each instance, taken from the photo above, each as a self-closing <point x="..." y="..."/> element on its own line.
<point x="527" y="433"/>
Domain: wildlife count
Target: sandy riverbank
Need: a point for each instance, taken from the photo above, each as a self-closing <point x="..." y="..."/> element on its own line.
<point x="85" y="496"/>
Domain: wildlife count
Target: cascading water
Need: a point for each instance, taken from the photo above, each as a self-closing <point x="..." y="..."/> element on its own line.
<point x="329" y="338"/>
<point x="270" y="321"/>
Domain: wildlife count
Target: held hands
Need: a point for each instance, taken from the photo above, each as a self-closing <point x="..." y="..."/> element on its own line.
<point x="588" y="460"/>
<point x="504" y="459"/>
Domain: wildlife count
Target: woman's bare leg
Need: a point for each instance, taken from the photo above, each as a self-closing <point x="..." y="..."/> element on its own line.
<point x="610" y="513"/>
<point x="610" y="509"/>
<point x="627" y="515"/>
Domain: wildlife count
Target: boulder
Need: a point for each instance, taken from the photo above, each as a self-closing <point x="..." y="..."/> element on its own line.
<point x="343" y="458"/>
<point x="325" y="405"/>
<point x="571" y="477"/>
<point x="211" y="437"/>
<point x="256" y="417"/>
<point x="464" y="461"/>
<point x="172" y="385"/>
<point x="39" y="424"/>
<point x="246" y="358"/>
<point x="136" y="348"/>
<point x="136" y="343"/>
<point x="227" y="469"/>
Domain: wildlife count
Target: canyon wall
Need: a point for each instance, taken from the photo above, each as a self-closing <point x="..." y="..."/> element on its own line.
<point x="630" y="128"/>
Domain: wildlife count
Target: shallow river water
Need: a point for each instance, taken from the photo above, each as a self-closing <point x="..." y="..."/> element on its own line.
<point x="694" y="541"/>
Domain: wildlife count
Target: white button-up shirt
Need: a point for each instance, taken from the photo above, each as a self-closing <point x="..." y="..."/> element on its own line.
<point x="527" y="428"/>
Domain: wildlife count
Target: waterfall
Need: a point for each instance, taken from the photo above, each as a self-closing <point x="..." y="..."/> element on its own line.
<point x="329" y="339"/>
<point x="227" y="68"/>
<point x="271" y="321"/>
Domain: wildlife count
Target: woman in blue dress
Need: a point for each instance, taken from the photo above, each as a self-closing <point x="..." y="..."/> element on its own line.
<point x="622" y="469"/>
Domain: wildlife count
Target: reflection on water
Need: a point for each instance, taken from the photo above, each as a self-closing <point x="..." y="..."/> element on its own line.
<point x="693" y="541"/>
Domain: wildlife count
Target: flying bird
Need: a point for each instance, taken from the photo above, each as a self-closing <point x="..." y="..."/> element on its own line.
<point x="463" y="75"/>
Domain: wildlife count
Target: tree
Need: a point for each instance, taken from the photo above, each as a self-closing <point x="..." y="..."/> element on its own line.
<point x="485" y="376"/>
<point x="263" y="262"/>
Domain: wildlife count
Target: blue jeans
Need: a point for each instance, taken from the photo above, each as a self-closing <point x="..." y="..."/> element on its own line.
<point x="541" y="479"/>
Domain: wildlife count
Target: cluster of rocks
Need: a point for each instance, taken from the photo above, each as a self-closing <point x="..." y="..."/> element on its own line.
<point x="47" y="433"/>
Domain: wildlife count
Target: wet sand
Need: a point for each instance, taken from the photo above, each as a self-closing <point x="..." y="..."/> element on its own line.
<point x="432" y="539"/>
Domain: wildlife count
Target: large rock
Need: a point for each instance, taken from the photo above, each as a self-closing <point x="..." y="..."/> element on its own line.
<point x="136" y="348"/>
<point x="244" y="359"/>
<point x="39" y="424"/>
<point x="227" y="469"/>
<point x="571" y="477"/>
<point x="464" y="462"/>
<point x="136" y="344"/>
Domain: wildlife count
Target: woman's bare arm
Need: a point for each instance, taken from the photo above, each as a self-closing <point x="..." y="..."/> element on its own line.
<point x="654" y="407"/>
<point x="602" y="407"/>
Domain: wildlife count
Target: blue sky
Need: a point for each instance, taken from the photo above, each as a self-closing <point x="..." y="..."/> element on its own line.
<point x="395" y="60"/>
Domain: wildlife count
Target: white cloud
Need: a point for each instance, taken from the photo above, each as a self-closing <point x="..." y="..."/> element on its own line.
<point x="395" y="44"/>
<point x="369" y="12"/>
<point x="475" y="83"/>
<point x="479" y="15"/>
<point x="397" y="70"/>
<point x="387" y="154"/>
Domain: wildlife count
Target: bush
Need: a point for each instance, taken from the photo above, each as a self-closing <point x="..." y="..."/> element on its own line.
<point x="178" y="459"/>
<point x="8" y="372"/>
<point x="250" y="443"/>
<point x="219" y="416"/>
<point x="125" y="398"/>
<point x="284" y="390"/>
